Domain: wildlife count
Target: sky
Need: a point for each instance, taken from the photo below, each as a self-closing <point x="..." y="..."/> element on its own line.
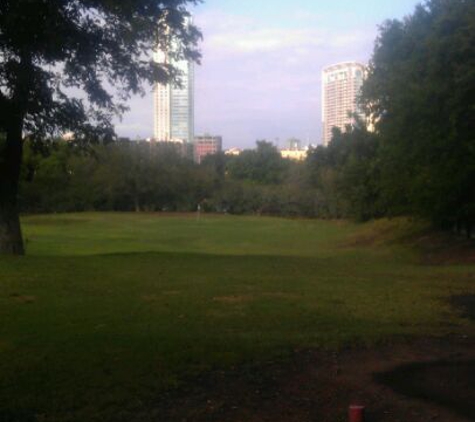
<point x="260" y="76"/>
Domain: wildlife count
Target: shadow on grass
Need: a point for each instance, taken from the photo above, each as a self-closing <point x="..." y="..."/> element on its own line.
<point x="465" y="304"/>
<point x="17" y="416"/>
<point x="447" y="384"/>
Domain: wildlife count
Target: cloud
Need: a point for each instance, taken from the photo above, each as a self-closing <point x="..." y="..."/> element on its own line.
<point x="264" y="40"/>
<point x="237" y="34"/>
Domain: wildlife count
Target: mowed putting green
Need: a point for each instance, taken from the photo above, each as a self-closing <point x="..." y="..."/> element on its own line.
<point x="108" y="310"/>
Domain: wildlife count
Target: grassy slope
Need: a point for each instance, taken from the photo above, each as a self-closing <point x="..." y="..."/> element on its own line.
<point x="108" y="309"/>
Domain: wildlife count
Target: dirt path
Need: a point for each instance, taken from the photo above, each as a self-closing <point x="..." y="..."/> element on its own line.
<point x="317" y="386"/>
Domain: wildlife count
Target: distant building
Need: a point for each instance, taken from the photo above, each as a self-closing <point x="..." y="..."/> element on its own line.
<point x="233" y="151"/>
<point x="294" y="154"/>
<point x="341" y="85"/>
<point x="207" y="145"/>
<point x="173" y="104"/>
<point x="294" y="144"/>
<point x="68" y="136"/>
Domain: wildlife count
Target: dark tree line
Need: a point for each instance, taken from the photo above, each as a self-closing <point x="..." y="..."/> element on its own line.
<point x="60" y="176"/>
<point x="120" y="176"/>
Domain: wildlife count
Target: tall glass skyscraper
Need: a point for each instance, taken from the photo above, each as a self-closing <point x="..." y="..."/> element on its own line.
<point x="174" y="104"/>
<point x="341" y="85"/>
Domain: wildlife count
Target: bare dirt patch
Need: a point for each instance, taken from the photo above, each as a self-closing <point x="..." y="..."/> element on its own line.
<point x="315" y="385"/>
<point x="450" y="384"/>
<point x="443" y="248"/>
<point x="25" y="299"/>
<point x="241" y="299"/>
<point x="150" y="298"/>
<point x="172" y="292"/>
<point x="281" y="295"/>
<point x="181" y="215"/>
<point x="157" y="298"/>
<point x="235" y="299"/>
<point x="465" y="304"/>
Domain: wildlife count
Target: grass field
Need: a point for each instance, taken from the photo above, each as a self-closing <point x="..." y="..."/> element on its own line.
<point x="107" y="310"/>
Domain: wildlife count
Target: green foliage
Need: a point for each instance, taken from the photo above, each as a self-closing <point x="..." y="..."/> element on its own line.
<point x="421" y="91"/>
<point x="262" y="165"/>
<point x="216" y="164"/>
<point x="346" y="175"/>
<point x="140" y="176"/>
<point x="122" y="176"/>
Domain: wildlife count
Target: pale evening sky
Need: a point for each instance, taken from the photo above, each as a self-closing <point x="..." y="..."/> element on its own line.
<point x="262" y="61"/>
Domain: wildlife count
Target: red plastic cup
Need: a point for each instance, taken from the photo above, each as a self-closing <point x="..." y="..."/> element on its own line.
<point x="356" y="413"/>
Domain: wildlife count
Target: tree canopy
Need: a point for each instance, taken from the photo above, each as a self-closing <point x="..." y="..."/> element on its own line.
<point x="101" y="47"/>
<point x="69" y="65"/>
<point x="421" y="95"/>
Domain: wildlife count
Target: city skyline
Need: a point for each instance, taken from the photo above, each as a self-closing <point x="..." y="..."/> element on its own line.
<point x="261" y="71"/>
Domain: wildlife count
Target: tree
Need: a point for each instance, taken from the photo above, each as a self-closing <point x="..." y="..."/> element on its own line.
<point x="50" y="49"/>
<point x="216" y="164"/>
<point x="360" y="183"/>
<point x="421" y="91"/>
<point x="261" y="165"/>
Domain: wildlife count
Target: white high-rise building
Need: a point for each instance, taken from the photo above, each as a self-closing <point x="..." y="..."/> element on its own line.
<point x="341" y="85"/>
<point x="174" y="104"/>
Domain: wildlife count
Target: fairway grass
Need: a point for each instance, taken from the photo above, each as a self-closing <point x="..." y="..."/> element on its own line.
<point x="108" y="310"/>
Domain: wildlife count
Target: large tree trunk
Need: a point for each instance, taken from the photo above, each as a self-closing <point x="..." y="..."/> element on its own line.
<point x="11" y="241"/>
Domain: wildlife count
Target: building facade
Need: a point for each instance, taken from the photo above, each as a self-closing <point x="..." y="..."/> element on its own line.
<point x="294" y="154"/>
<point x="341" y="86"/>
<point x="294" y="144"/>
<point x="233" y="152"/>
<point x="207" y="145"/>
<point x="174" y="109"/>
